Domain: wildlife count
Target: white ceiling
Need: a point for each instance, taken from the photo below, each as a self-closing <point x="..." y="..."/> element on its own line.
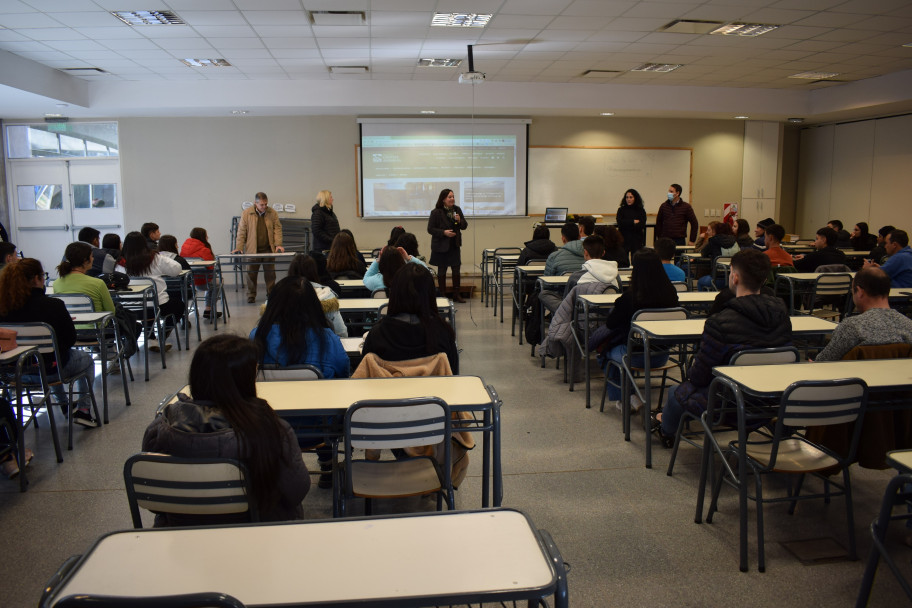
<point x="534" y="53"/>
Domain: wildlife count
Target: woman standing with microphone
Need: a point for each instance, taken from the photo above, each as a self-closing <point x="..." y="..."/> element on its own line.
<point x="445" y="225"/>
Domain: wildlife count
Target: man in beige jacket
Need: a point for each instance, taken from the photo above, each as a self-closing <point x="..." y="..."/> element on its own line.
<point x="259" y="231"/>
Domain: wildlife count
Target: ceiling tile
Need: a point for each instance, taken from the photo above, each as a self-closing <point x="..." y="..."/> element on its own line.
<point x="231" y="54"/>
<point x="339" y="31"/>
<point x="777" y="15"/>
<point x="867" y="7"/>
<point x="885" y="23"/>
<point x="75" y="45"/>
<point x="597" y="8"/>
<point x="138" y="43"/>
<point x="662" y="10"/>
<point x="713" y="12"/>
<point x="290" y="43"/>
<point x="283" y="31"/>
<point x="579" y="23"/>
<point x="94" y="18"/>
<point x="50" y="6"/>
<point x="847" y="35"/>
<point x="224" y="31"/>
<point x="534" y="7"/>
<point x="630" y="24"/>
<point x="15" y="6"/>
<point x="270" y="5"/>
<point x="184" y="44"/>
<point x="277" y="17"/>
<point x="202" y="5"/>
<point x="281" y="54"/>
<point x="830" y="19"/>
<point x="46" y="34"/>
<point x="22" y="20"/>
<point x="343" y="43"/>
<point x="398" y="18"/>
<point x="236" y="43"/>
<point x="106" y="34"/>
<point x="199" y="18"/>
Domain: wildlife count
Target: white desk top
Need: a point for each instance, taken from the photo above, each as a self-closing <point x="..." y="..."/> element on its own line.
<point x="555" y="280"/>
<point x="11" y="355"/>
<point x="693" y="328"/>
<point x="900" y="459"/>
<point x="507" y="258"/>
<point x="200" y="263"/>
<point x="360" y="559"/>
<point x="807" y="276"/>
<point x="878" y="374"/>
<point x="901" y="292"/>
<point x="339" y="394"/>
<point x="531" y="269"/>
<point x="350" y="283"/>
<point x="90" y="317"/>
<point x="684" y="297"/>
<point x="352" y="346"/>
<point x="368" y="304"/>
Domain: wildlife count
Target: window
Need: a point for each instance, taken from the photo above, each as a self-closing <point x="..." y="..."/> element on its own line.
<point x="40" y="198"/>
<point x="60" y="140"/>
<point x="92" y="196"/>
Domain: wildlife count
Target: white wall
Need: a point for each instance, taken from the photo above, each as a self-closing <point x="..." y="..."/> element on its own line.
<point x="855" y="172"/>
<point x="186" y="172"/>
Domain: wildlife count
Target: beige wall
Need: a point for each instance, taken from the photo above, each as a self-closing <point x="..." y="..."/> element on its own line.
<point x="186" y="172"/>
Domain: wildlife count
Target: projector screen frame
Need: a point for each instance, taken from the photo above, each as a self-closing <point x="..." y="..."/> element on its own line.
<point x="521" y="161"/>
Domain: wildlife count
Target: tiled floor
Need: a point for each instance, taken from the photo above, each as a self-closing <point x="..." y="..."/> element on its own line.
<point x="626" y="531"/>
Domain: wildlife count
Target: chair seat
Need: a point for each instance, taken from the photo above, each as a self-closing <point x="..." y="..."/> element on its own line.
<point x="410" y="477"/>
<point x="795" y="456"/>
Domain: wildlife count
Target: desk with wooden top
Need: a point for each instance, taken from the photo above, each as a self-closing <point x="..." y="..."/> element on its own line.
<point x="263" y="564"/>
<point x="461" y="393"/>
<point x="653" y="333"/>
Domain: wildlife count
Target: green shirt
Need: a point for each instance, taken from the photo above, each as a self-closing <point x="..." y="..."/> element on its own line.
<point x="76" y="282"/>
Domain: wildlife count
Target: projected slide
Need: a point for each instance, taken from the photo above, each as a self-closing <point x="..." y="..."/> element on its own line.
<point x="403" y="173"/>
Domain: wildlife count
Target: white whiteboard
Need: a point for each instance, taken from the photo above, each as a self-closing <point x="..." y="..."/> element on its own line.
<point x="593" y="180"/>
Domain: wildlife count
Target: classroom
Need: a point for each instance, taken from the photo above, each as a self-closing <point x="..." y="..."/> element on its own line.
<point x="195" y="143"/>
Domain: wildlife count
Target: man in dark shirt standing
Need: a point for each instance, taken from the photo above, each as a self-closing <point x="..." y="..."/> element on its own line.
<point x="673" y="217"/>
<point x="825" y="252"/>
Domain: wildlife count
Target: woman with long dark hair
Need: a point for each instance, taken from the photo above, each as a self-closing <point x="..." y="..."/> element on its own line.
<point x="303" y="265"/>
<point x="197" y="246"/>
<point x="22" y="300"/>
<point x="862" y="239"/>
<point x="650" y="287"/>
<point x="445" y="225"/>
<point x="380" y="273"/>
<point x="614" y="245"/>
<point x="293" y="330"/>
<point x="631" y="221"/>
<point x="223" y="417"/>
<point x="342" y="261"/>
<point x="413" y="327"/>
<point x="140" y="261"/>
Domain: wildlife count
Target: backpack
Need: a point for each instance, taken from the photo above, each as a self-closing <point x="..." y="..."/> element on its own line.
<point x="117" y="281"/>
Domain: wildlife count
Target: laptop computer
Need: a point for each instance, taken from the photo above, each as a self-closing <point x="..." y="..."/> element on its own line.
<point x="556" y="215"/>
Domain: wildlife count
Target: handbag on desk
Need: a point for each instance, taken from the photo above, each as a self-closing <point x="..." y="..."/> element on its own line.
<point x="7" y="339"/>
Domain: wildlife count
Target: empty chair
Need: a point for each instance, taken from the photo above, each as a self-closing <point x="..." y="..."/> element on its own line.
<point x="396" y="424"/>
<point x="896" y="495"/>
<point x="188" y="491"/>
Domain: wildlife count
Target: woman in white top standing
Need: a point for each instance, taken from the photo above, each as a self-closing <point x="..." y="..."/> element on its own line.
<point x="140" y="261"/>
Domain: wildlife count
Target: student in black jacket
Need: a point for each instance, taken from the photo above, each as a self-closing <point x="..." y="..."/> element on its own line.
<point x="825" y="252"/>
<point x="539" y="248"/>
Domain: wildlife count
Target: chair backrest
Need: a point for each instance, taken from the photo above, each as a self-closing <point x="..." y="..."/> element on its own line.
<point x="681" y="285"/>
<point x="766" y="356"/>
<point x="75" y="302"/>
<point x="39" y="335"/>
<point x="379" y="293"/>
<point x="271" y="373"/>
<point x="833" y="268"/>
<point x="661" y="314"/>
<point x="821" y="403"/>
<point x="389" y="424"/>
<point x="188" y="486"/>
<point x="537" y="263"/>
<point x="833" y="284"/>
<point x="879" y="351"/>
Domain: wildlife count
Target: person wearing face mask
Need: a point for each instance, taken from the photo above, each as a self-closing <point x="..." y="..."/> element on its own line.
<point x="673" y="217"/>
<point x="259" y="231"/>
<point x="445" y="225"/>
<point x="631" y="221"/>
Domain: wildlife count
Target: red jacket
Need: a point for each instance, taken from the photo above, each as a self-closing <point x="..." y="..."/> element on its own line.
<point x="195" y="248"/>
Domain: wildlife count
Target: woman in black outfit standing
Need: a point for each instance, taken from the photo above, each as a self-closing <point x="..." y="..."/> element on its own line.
<point x="445" y="225"/>
<point x="631" y="221"/>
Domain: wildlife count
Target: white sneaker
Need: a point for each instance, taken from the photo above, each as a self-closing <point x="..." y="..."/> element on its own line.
<point x="153" y="346"/>
<point x="635" y="403"/>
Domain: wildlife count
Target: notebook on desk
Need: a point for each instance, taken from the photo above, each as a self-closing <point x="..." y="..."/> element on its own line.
<point x="555" y="215"/>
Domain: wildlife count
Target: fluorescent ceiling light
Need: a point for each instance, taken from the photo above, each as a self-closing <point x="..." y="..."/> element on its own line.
<point x="744" y="29"/>
<point x="600" y="73"/>
<point x="428" y="111"/>
<point x="691" y="26"/>
<point x="741" y="117"/>
<point x="240" y="112"/>
<point x="814" y="75"/>
<point x="657" y="67"/>
<point x="206" y="63"/>
<point x="148" y="17"/>
<point x="796" y="121"/>
<point x="908" y="45"/>
<point x="440" y="63"/>
<point x="337" y="17"/>
<point x="348" y="69"/>
<point x="460" y="19"/>
<point x="606" y="114"/>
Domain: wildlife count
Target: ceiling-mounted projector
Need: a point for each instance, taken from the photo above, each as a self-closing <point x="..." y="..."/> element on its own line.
<point x="471" y="77"/>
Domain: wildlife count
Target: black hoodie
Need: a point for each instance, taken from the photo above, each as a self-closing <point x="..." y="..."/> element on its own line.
<point x="536" y="249"/>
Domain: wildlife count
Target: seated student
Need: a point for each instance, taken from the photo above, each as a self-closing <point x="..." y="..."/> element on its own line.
<point x="877" y="323"/>
<point x="760" y="232"/>
<point x="899" y="265"/>
<point x="409" y="242"/>
<point x="843" y="238"/>
<point x="742" y="234"/>
<point x="303" y="265"/>
<point x="614" y="245"/>
<point x="774" y="251"/>
<point x="222" y="417"/>
<point x="342" y="261"/>
<point x="722" y="243"/>
<point x="704" y="236"/>
<point x="167" y="246"/>
<point x="7" y="254"/>
<point x="539" y="248"/>
<point x="586" y="225"/>
<point x="151" y="233"/>
<point x="112" y="244"/>
<point x="569" y="258"/>
<point x="355" y="245"/>
<point x="879" y="252"/>
<point x="749" y="320"/>
<point x="22" y="300"/>
<point x="825" y="252"/>
<point x="649" y="288"/>
<point x="862" y="239"/>
<point x="381" y="270"/>
<point x="412" y="327"/>
<point x="395" y="233"/>
<point x="140" y="261"/>
<point x="666" y="248"/>
<point x="596" y="277"/>
<point x="197" y="246"/>
<point x="104" y="263"/>
<point x="74" y="278"/>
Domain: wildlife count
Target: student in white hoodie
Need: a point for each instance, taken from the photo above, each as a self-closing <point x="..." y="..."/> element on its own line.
<point x="597" y="276"/>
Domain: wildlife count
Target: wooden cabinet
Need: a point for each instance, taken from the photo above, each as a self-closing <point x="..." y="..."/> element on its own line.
<point x="760" y="177"/>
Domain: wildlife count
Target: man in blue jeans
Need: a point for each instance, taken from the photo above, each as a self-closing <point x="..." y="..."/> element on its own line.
<point x="749" y="320"/>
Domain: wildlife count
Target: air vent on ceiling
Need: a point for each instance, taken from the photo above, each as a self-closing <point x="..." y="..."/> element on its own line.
<point x="337" y="17"/>
<point x="691" y="26"/>
<point x="149" y="17"/>
<point x="348" y="69"/>
<point x="600" y="73"/>
<point x="749" y="30"/>
<point x="84" y="71"/>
